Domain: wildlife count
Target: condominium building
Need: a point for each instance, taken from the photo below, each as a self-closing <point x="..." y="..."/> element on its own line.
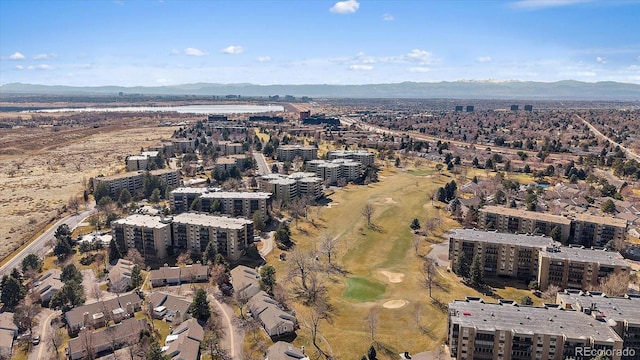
<point x="622" y="314"/>
<point x="290" y="152"/>
<point x="132" y="181"/>
<point x="183" y="145"/>
<point x="506" y="331"/>
<point x="364" y="157"/>
<point x="150" y="235"/>
<point x="578" y="268"/>
<point x="288" y="187"/>
<point x="331" y="171"/>
<point x="501" y="254"/>
<point x="182" y="198"/>
<point x="230" y="148"/>
<point x="237" y="203"/>
<point x="510" y="220"/>
<point x="590" y="230"/>
<point x="226" y="163"/>
<point x="193" y="231"/>
<point x="142" y="161"/>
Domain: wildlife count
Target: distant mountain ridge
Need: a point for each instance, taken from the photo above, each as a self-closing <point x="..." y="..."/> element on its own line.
<point x="464" y="89"/>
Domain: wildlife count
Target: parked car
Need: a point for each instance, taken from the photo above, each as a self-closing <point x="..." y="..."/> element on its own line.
<point x="36" y="340"/>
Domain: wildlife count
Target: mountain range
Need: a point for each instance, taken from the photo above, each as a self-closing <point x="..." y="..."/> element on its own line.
<point x="463" y="89"/>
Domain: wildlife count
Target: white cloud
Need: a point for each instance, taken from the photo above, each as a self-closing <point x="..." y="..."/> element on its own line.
<point x="40" y="67"/>
<point x="358" y="67"/>
<point x="345" y="7"/>
<point x="194" y="52"/>
<point x="421" y="56"/>
<point x="419" y="69"/>
<point x="20" y="67"/>
<point x="174" y="52"/>
<point x="233" y="49"/>
<point x="44" y="56"/>
<point x="16" y="56"/>
<point x="601" y="60"/>
<point x="263" y="59"/>
<point x="544" y="4"/>
<point x="484" y="59"/>
<point x="388" y="17"/>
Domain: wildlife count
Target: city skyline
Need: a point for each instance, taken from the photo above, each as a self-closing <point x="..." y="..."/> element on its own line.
<point x="154" y="43"/>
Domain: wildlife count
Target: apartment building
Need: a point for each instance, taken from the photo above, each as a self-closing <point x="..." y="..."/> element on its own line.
<point x="510" y="220"/>
<point x="193" y="231"/>
<point x="230" y="148"/>
<point x="237" y="203"/>
<point x="288" y="187"/>
<point x="290" y="152"/>
<point x="331" y="171"/>
<point x="590" y="230"/>
<point x="506" y="331"/>
<point x="182" y="198"/>
<point x="363" y="157"/>
<point x="501" y="254"/>
<point x="226" y="163"/>
<point x="150" y="235"/>
<point x="576" y="267"/>
<point x="183" y="145"/>
<point x="142" y="161"/>
<point x="622" y="314"/>
<point x="132" y="180"/>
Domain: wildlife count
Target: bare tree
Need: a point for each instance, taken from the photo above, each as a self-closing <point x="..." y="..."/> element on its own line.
<point x="241" y="300"/>
<point x="55" y="339"/>
<point x="300" y="266"/>
<point x="328" y="246"/>
<point x="367" y="212"/>
<point x="416" y="244"/>
<point x="86" y="337"/>
<point x="417" y="313"/>
<point x="429" y="274"/>
<point x="74" y="204"/>
<point x="615" y="285"/>
<point x="320" y="310"/>
<point x="551" y="292"/>
<point x="281" y="295"/>
<point x="184" y="259"/>
<point x="97" y="291"/>
<point x="372" y="321"/>
<point x="135" y="257"/>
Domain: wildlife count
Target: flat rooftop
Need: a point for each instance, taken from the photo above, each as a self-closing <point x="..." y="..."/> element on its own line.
<point x="135" y="173"/>
<point x="558" y="219"/>
<point x="211" y="221"/>
<point x="529" y="320"/>
<point x="350" y="152"/>
<point x="147" y="221"/>
<point x="604" y="220"/>
<point x="293" y="147"/>
<point x="578" y="254"/>
<point x="613" y="308"/>
<point x="236" y="195"/>
<point x="191" y="190"/>
<point x="502" y="238"/>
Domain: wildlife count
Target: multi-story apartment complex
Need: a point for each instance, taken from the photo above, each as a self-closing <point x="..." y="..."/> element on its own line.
<point x="132" y="180"/>
<point x="183" y="145"/>
<point x="331" y="171"/>
<point x="182" y="198"/>
<point x="364" y="157"/>
<point x="230" y="148"/>
<point x="150" y="235"/>
<point x="193" y="232"/>
<point x="590" y="230"/>
<point x="510" y="220"/>
<point x="578" y="268"/>
<point x="226" y="163"/>
<point x="622" y="314"/>
<point x="289" y="152"/>
<point x="505" y="331"/>
<point x="535" y="257"/>
<point x="237" y="203"/>
<point x="501" y="254"/>
<point x="142" y="161"/>
<point x="288" y="187"/>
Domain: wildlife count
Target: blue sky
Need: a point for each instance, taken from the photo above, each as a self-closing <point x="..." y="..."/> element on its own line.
<point x="151" y="43"/>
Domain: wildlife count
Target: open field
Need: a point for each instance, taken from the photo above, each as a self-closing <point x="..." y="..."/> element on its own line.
<point x="41" y="168"/>
<point x="382" y="271"/>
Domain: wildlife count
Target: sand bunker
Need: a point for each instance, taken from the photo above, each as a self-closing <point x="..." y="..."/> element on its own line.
<point x="332" y="204"/>
<point x="393" y="277"/>
<point x="389" y="201"/>
<point x="394" y="304"/>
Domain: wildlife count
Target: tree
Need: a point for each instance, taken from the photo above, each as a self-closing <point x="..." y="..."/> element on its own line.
<point x="461" y="265"/>
<point x="274" y="168"/>
<point x="430" y="273"/>
<point x="155" y="352"/>
<point x="210" y="252"/>
<point x="114" y="251"/>
<point x="13" y="292"/>
<point x="55" y="339"/>
<point x="328" y="246"/>
<point x="616" y="284"/>
<point x="184" y="259"/>
<point x="70" y="295"/>
<point x="135" y="257"/>
<point x="74" y="203"/>
<point x="367" y="212"/>
<point x="199" y="309"/>
<point x="125" y="197"/>
<point x="526" y="300"/>
<point x="475" y="272"/>
<point x="371" y="354"/>
<point x="25" y="315"/>
<point x="62" y="247"/>
<point x="155" y="196"/>
<point x="415" y="225"/>
<point x="102" y="190"/>
<point x="283" y="236"/>
<point x="550" y="293"/>
<point x="267" y="278"/>
<point x="70" y="273"/>
<point x="372" y="321"/>
<point x="136" y="277"/>
<point x="499" y="197"/>
<point x="609" y="206"/>
<point x="258" y="221"/>
<point x="31" y="262"/>
<point x="556" y="233"/>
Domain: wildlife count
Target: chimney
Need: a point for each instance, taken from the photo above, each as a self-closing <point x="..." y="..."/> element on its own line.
<point x="177" y="319"/>
<point x="129" y="308"/>
<point x="85" y="319"/>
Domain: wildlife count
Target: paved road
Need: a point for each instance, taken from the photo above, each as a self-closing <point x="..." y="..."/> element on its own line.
<point x="263" y="168"/>
<point x="267" y="244"/>
<point x="232" y="333"/>
<point x="597" y="132"/>
<point x="39" y="246"/>
<point x="44" y="330"/>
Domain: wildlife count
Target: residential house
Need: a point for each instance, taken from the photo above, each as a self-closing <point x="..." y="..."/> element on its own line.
<point x="285" y="351"/>
<point x="91" y="344"/>
<point x="120" y="276"/>
<point x="246" y="280"/>
<point x="184" y="341"/>
<point x="166" y="276"/>
<point x="8" y="332"/>
<point x="171" y="308"/>
<point x="98" y="314"/>
<point x="275" y="321"/>
<point x="48" y="285"/>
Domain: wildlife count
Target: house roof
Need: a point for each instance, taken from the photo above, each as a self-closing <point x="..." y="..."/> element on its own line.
<point x="285" y="351"/>
<point x="6" y="321"/>
<point x="120" y="271"/>
<point x="172" y="302"/>
<point x="268" y="312"/>
<point x="245" y="279"/>
<point x="183" y="348"/>
<point x="190" y="328"/>
<point x="6" y="342"/>
<point x="128" y="329"/>
<point x="76" y="316"/>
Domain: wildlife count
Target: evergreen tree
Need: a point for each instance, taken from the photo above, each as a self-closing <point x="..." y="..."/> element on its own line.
<point x="556" y="233"/>
<point x="415" y="224"/>
<point x="475" y="272"/>
<point x="13" y="292"/>
<point x="31" y="262"/>
<point x="283" y="236"/>
<point x="136" y="277"/>
<point x="371" y="354"/>
<point x="209" y="253"/>
<point x="125" y="197"/>
<point x="155" y="196"/>
<point x="155" y="352"/>
<point x="199" y="309"/>
<point x="70" y="273"/>
<point x="114" y="251"/>
<point x="461" y="265"/>
<point x="267" y="278"/>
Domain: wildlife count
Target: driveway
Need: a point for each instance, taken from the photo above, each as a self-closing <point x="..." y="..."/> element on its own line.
<point x="42" y="350"/>
<point x="267" y="244"/>
<point x="440" y="253"/>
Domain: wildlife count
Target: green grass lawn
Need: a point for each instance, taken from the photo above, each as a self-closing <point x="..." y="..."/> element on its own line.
<point x="361" y="289"/>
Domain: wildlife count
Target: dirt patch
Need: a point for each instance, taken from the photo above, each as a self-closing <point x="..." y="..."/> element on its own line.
<point x="332" y="204"/>
<point x="393" y="277"/>
<point x="389" y="201"/>
<point x="394" y="304"/>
